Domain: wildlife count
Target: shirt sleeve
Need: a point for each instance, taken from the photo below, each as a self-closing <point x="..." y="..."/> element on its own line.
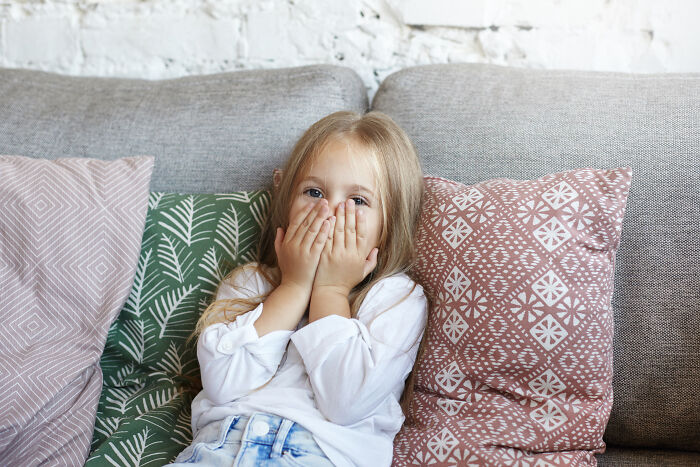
<point x="354" y="365"/>
<point x="233" y="359"/>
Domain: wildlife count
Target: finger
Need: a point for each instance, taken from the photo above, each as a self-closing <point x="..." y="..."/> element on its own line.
<point x="370" y="262"/>
<point x="321" y="240"/>
<point x="315" y="227"/>
<point x="304" y="226"/>
<point x="328" y="246"/>
<point x="361" y="229"/>
<point x="339" y="230"/>
<point x="296" y="222"/>
<point x="350" y="233"/>
<point x="331" y="231"/>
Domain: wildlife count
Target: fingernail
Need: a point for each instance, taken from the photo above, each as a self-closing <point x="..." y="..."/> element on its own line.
<point x="342" y="206"/>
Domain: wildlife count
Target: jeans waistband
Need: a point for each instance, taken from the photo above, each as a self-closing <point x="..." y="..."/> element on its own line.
<point x="279" y="432"/>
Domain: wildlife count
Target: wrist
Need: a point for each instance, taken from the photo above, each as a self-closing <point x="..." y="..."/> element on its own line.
<point x="295" y="288"/>
<point x="339" y="291"/>
<point x="329" y="300"/>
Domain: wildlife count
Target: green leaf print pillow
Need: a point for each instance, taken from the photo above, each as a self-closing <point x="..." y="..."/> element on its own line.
<point x="151" y="374"/>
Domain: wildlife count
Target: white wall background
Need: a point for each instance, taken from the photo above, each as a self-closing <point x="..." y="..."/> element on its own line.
<point x="155" y="39"/>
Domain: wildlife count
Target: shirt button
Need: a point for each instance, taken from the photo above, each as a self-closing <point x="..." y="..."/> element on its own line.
<point x="260" y="428"/>
<point x="227" y="346"/>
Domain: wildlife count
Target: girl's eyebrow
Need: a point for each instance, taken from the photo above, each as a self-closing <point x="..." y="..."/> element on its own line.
<point x="320" y="182"/>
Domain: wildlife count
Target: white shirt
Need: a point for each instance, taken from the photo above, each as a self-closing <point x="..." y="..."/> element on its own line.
<point x="339" y="378"/>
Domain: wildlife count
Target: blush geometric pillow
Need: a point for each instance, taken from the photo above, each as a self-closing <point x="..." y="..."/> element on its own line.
<point x="70" y="231"/>
<point x="518" y="363"/>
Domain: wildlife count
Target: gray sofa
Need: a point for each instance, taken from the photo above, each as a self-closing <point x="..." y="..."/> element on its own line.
<point x="469" y="122"/>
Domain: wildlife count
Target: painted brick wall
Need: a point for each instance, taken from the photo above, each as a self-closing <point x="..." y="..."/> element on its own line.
<point x="161" y="39"/>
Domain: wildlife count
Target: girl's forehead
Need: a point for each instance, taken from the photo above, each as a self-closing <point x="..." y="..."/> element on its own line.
<point x="343" y="154"/>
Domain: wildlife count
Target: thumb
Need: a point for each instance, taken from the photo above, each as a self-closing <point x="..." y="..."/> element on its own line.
<point x="371" y="261"/>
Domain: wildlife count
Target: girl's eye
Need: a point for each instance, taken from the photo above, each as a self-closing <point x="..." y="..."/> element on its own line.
<point x="313" y="192"/>
<point x="359" y="201"/>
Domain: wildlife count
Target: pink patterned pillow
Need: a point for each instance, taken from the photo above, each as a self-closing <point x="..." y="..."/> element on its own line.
<point x="518" y="364"/>
<point x="70" y="237"/>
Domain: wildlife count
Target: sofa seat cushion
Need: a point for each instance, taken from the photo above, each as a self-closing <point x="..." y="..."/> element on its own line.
<point x="191" y="241"/>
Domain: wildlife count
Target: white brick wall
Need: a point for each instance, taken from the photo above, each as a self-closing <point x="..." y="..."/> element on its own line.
<point x="161" y="39"/>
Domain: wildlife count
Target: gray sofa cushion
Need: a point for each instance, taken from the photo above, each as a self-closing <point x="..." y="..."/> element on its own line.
<point x="647" y="458"/>
<point x="476" y="122"/>
<point x="209" y="133"/>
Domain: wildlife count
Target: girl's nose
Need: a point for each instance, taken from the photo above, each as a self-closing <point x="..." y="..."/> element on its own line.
<point x="334" y="203"/>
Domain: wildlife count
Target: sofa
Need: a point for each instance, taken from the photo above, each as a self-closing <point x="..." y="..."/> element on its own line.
<point x="469" y="122"/>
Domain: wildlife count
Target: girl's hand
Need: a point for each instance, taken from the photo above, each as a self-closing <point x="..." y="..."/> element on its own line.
<point x="299" y="248"/>
<point x="348" y="255"/>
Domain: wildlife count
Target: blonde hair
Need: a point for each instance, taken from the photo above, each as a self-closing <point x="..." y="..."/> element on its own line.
<point x="400" y="185"/>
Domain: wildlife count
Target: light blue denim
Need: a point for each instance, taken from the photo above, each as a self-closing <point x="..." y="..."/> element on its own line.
<point x="261" y="439"/>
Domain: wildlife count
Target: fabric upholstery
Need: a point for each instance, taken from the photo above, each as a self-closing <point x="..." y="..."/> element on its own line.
<point x="212" y="133"/>
<point x="70" y="232"/>
<point x="620" y="457"/>
<point x="473" y="122"/>
<point x="151" y="373"/>
<point x="518" y="362"/>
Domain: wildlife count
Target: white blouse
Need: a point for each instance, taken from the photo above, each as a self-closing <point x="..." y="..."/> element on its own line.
<point x="339" y="378"/>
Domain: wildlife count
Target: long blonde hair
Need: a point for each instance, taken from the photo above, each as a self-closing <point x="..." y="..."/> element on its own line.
<point x="400" y="185"/>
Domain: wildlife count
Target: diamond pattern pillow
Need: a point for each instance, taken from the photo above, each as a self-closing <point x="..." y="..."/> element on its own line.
<point x="518" y="364"/>
<point x="151" y="374"/>
<point x="69" y="241"/>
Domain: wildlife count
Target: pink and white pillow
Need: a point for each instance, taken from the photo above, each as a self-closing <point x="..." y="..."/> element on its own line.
<point x="70" y="236"/>
<point x="518" y="364"/>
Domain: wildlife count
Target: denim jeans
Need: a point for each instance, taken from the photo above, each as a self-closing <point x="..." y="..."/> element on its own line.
<point x="261" y="439"/>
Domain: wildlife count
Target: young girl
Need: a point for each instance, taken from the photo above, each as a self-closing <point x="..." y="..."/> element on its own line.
<point x="304" y="354"/>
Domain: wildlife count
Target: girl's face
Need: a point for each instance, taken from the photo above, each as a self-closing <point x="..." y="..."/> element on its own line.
<point x="342" y="172"/>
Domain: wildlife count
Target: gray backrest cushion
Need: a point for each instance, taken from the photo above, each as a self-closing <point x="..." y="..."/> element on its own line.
<point x="474" y="122"/>
<point x="209" y="134"/>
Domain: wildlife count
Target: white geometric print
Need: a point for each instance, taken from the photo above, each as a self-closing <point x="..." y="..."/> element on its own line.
<point x="450" y="406"/>
<point x="549" y="416"/>
<point x="449" y="377"/>
<point x="442" y="215"/>
<point x="552" y="234"/>
<point x="454" y="326"/>
<point x="457" y="283"/>
<point x="442" y="444"/>
<point x="480" y="212"/>
<point x="465" y="199"/>
<point x="571" y="308"/>
<point x="471" y="391"/>
<point x="550" y="288"/>
<point x="532" y="211"/>
<point x="547" y="384"/>
<point x="476" y="304"/>
<point x="548" y="332"/>
<point x="528" y="306"/>
<point x="457" y="232"/>
<point x="559" y="195"/>
<point x="578" y="217"/>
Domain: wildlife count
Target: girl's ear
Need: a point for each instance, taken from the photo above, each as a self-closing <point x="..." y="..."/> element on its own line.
<point x="277" y="177"/>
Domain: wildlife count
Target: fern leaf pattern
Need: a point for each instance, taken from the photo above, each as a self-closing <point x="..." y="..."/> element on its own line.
<point x="169" y="308"/>
<point x="151" y="374"/>
<point x="212" y="267"/>
<point x="134" y="333"/>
